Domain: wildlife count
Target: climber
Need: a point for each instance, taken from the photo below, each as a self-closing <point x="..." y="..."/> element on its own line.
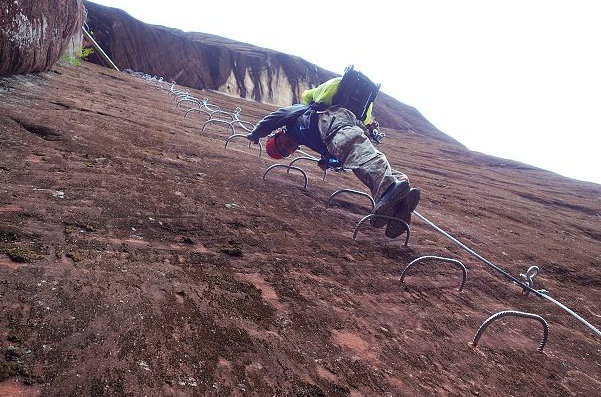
<point x="335" y="132"/>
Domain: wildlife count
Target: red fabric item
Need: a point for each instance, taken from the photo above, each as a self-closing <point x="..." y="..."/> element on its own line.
<point x="272" y="149"/>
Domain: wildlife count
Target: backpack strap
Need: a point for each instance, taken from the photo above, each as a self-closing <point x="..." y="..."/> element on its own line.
<point x="316" y="107"/>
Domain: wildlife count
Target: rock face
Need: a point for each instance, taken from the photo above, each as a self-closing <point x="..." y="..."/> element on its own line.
<point x="205" y="61"/>
<point x="35" y="34"/>
<point x="139" y="256"/>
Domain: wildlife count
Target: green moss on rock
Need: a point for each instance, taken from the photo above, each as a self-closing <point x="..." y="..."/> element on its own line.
<point x="232" y="248"/>
<point x="19" y="254"/>
<point x="8" y="370"/>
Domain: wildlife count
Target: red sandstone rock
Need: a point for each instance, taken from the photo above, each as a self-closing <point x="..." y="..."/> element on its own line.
<point x="136" y="212"/>
<point x="35" y="34"/>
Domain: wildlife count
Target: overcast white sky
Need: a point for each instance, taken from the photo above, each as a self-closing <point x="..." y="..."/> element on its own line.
<point x="518" y="79"/>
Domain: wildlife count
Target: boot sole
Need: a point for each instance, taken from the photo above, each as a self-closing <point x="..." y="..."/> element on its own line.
<point x="396" y="228"/>
<point x="387" y="208"/>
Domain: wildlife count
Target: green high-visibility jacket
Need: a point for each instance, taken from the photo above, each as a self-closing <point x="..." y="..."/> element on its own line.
<point x="324" y="93"/>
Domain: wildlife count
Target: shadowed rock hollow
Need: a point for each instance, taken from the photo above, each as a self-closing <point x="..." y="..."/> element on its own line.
<point x="138" y="256"/>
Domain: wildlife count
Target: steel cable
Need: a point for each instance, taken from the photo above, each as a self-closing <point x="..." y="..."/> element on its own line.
<point x="526" y="287"/>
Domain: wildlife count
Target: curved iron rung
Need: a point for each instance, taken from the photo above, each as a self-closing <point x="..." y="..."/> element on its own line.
<point x="243" y="136"/>
<point x="306" y="154"/>
<point x="183" y="94"/>
<point x="245" y="125"/>
<point x="288" y="167"/>
<point x="385" y="217"/>
<point x="187" y="98"/>
<point x="196" y="110"/>
<point x="540" y="293"/>
<point x="222" y="115"/>
<point x="371" y="199"/>
<point x="210" y="106"/>
<point x="439" y="258"/>
<point x="310" y="158"/>
<point x="492" y="318"/>
<point x="210" y="121"/>
<point x="179" y="94"/>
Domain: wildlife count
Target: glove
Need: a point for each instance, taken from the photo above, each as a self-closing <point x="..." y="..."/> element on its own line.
<point x="323" y="163"/>
<point x="334" y="163"/>
<point x="254" y="139"/>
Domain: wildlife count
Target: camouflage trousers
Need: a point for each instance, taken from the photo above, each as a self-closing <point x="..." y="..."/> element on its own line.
<point x="346" y="141"/>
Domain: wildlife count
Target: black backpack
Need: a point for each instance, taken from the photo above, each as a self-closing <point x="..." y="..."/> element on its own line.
<point x="356" y="92"/>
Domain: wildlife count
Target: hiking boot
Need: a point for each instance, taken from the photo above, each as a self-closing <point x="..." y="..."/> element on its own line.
<point x="385" y="206"/>
<point x="403" y="212"/>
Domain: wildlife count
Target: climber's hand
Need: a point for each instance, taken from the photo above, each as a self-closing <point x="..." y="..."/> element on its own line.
<point x="323" y="163"/>
<point x="254" y="139"/>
